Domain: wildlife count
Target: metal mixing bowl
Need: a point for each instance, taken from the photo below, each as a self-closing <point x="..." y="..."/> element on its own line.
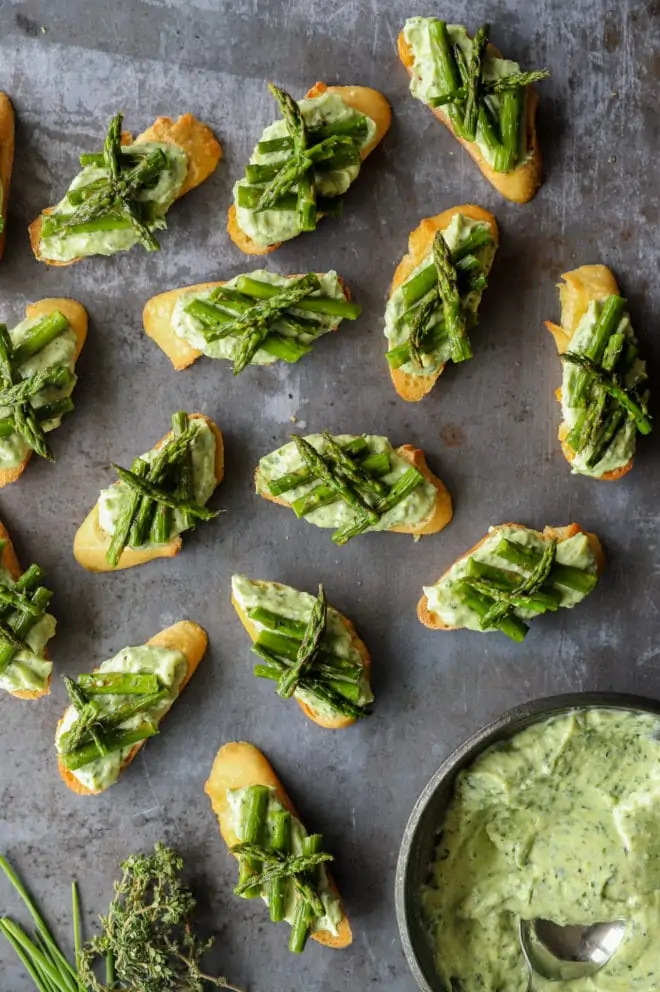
<point x="423" y="830"/>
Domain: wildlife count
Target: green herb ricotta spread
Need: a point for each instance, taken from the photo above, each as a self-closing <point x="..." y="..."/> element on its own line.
<point x="415" y="508"/>
<point x="444" y="601"/>
<point x="333" y="915"/>
<point x="267" y="227"/>
<point x="426" y="81"/>
<point x="112" y="501"/>
<point x="29" y="670"/>
<point x="397" y="325"/>
<point x="561" y="822"/>
<point x="187" y="326"/>
<point x="169" y="666"/>
<point x="295" y="605"/>
<point x="60" y="351"/>
<point x="112" y="233"/>
<point x="622" y="448"/>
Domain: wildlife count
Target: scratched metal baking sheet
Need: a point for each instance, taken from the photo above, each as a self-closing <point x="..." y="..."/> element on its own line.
<point x="489" y="429"/>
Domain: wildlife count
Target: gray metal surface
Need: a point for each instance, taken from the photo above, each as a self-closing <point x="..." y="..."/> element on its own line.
<point x="489" y="430"/>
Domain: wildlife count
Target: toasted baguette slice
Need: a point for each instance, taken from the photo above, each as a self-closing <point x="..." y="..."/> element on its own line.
<point x="185" y="636"/>
<point x="362" y="98"/>
<point x="157" y="321"/>
<point x="91" y="542"/>
<point x="559" y="534"/>
<point x="519" y="185"/>
<point x="337" y="722"/>
<point x="11" y="563"/>
<point x="580" y="287"/>
<point x="6" y="158"/>
<point x="436" y="521"/>
<point x="415" y="387"/>
<point x="76" y="314"/>
<point x="238" y="765"/>
<point x="195" y="138"/>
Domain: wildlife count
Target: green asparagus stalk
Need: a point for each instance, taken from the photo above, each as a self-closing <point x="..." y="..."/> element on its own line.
<point x="328" y="305"/>
<point x="306" y="204"/>
<point x="293" y="117"/>
<point x="296" y="167"/>
<point x="29" y="428"/>
<point x="287" y="646"/>
<point x="605" y="437"/>
<point x="560" y="577"/>
<point x="118" y="683"/>
<point x="376" y="465"/>
<point x="326" y="206"/>
<point x="50" y="411"/>
<point x="280" y="841"/>
<point x="144" y="488"/>
<point x="525" y="595"/>
<point x="608" y="320"/>
<point x="418" y="330"/>
<point x="512" y="104"/>
<point x="45" y="331"/>
<point x="21" y="625"/>
<point x="443" y="58"/>
<point x="249" y="344"/>
<point x="507" y="581"/>
<point x="124" y="522"/>
<point x="355" y="128"/>
<point x="419" y="285"/>
<point x="270" y="309"/>
<point x="454" y="314"/>
<point x="468" y="128"/>
<point x="309" y="646"/>
<point x="113" y="741"/>
<point x="288" y="867"/>
<point x="585" y="429"/>
<point x="516" y="80"/>
<point x="327" y="474"/>
<point x="608" y="383"/>
<point x="186" y="486"/>
<point x="253" y="822"/>
<point x="303" y="916"/>
<point x="433" y="337"/>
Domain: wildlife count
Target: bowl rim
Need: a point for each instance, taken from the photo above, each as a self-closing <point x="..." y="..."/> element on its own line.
<point x="500" y="727"/>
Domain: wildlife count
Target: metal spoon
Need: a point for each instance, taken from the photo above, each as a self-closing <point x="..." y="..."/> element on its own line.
<point x="558" y="953"/>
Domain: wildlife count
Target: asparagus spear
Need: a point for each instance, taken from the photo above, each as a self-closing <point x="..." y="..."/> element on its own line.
<point x="295" y="168"/>
<point x="293" y="117"/>
<point x="357" y="446"/>
<point x="280" y="841"/>
<point x="606" y="436"/>
<point x="328" y="305"/>
<point x="505" y="580"/>
<point x="526" y="594"/>
<point x="113" y="741"/>
<point x="270" y="309"/>
<point x="122" y="529"/>
<point x="606" y="324"/>
<point x="318" y="465"/>
<point x="29" y="428"/>
<point x="21" y="624"/>
<point x="512" y="104"/>
<point x="309" y="646"/>
<point x="425" y="280"/>
<point x="561" y="576"/>
<point x="49" y="411"/>
<point x="354" y="127"/>
<point x="303" y="916"/>
<point x="352" y="470"/>
<point x="326" y="206"/>
<point x="611" y="386"/>
<point x="253" y="820"/>
<point x="468" y="129"/>
<point x="418" y="331"/>
<point x="584" y="431"/>
<point x="55" y="375"/>
<point x="510" y="625"/>
<point x="454" y="314"/>
<point x="340" y="696"/>
<point x="275" y="867"/>
<point x="441" y="50"/>
<point x="45" y="331"/>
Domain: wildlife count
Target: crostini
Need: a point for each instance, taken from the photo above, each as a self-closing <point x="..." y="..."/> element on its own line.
<point x="25" y="669"/>
<point x="487" y="103"/>
<point x="355" y="484"/>
<point x="6" y="161"/>
<point x="304" y="163"/>
<point x="253" y="319"/>
<point x="603" y="395"/>
<point x="311" y="651"/>
<point x="435" y="296"/>
<point x="511" y="576"/>
<point x="123" y="193"/>
<point x="261" y="828"/>
<point x="143" y="515"/>
<point x="37" y="362"/>
<point x="120" y="705"/>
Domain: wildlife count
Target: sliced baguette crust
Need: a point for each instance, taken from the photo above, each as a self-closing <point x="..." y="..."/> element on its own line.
<point x="337" y="722"/>
<point x="420" y="241"/>
<point x="76" y="314"/>
<point x="195" y="138"/>
<point x="580" y="287"/>
<point x="157" y="322"/>
<point x="519" y="185"/>
<point x="6" y="157"/>
<point x="184" y="636"/>
<point x="361" y="98"/>
<point x="436" y="521"/>
<point x="433" y="621"/>
<point x="11" y="563"/>
<point x="91" y="542"/>
<point x="238" y="765"/>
